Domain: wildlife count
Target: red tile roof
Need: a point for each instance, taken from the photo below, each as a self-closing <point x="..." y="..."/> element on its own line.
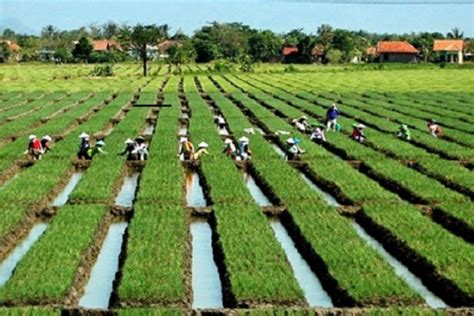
<point x="105" y="45"/>
<point x="448" y="45"/>
<point x="289" y="50"/>
<point x="11" y="45"/>
<point x="371" y="51"/>
<point x="167" y="44"/>
<point x="396" y="47"/>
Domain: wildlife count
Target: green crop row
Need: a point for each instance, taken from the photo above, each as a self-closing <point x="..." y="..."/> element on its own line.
<point x="48" y="270"/>
<point x="154" y="269"/>
<point x="253" y="258"/>
<point x="356" y="267"/>
<point x="428" y="239"/>
<point x="393" y="146"/>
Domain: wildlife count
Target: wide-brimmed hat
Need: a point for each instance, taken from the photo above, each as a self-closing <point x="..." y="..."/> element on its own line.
<point x="244" y="139"/>
<point x="129" y="141"/>
<point x="100" y="143"/>
<point x="31" y="137"/>
<point x="46" y="138"/>
<point x="291" y="140"/>
<point x="404" y="126"/>
<point x="360" y="126"/>
<point x="183" y="139"/>
<point x="203" y="145"/>
<point x="304" y="117"/>
<point x="140" y="139"/>
<point x="83" y="135"/>
<point x="228" y="141"/>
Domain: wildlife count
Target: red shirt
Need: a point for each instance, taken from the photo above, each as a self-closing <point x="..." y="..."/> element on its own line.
<point x="37" y="145"/>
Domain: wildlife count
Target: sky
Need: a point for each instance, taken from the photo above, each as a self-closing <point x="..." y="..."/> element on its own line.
<point x="277" y="15"/>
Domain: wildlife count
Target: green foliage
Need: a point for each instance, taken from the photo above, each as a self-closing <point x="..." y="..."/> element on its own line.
<point x="103" y="71"/>
<point x="83" y="49"/>
<point x="334" y="56"/>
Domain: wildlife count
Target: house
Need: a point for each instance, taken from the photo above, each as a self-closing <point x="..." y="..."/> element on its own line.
<point x="289" y="54"/>
<point x="46" y="54"/>
<point x="164" y="47"/>
<point x="14" y="48"/>
<point x="152" y="52"/>
<point x="396" y="52"/>
<point x="106" y="45"/>
<point x="449" y="50"/>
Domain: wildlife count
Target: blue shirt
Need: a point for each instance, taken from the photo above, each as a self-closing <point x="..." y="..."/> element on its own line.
<point x="332" y="114"/>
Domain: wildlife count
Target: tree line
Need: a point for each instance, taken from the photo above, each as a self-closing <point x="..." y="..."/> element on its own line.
<point x="234" y="42"/>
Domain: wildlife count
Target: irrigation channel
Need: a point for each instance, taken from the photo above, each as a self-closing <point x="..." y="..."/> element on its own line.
<point x="206" y="283"/>
<point x="100" y="285"/>
<point x="314" y="293"/>
<point x="7" y="267"/>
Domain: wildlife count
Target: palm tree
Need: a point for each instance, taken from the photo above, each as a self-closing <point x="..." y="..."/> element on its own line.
<point x="455" y="34"/>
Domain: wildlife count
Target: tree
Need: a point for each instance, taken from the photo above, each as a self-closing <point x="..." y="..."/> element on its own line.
<point x="50" y="32"/>
<point x="83" y="49"/>
<point x="181" y="54"/>
<point x="264" y="45"/>
<point x="110" y="30"/>
<point x="334" y="56"/>
<point x="63" y="55"/>
<point x="293" y="37"/>
<point x="5" y="52"/>
<point x="8" y="34"/>
<point x="325" y="36"/>
<point x="140" y="36"/>
<point x="305" y="48"/>
<point x="455" y="34"/>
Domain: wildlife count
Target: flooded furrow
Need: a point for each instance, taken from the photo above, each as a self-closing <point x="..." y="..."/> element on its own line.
<point x="314" y="293"/>
<point x="194" y="192"/>
<point x="260" y="198"/>
<point x="63" y="197"/>
<point x="126" y="195"/>
<point x="100" y="285"/>
<point x="278" y="150"/>
<point x="9" y="264"/>
<point x="149" y="130"/>
<point x="402" y="271"/>
<point x="330" y="200"/>
<point x="206" y="283"/>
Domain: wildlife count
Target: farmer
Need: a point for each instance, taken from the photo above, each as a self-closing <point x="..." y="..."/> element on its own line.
<point x="34" y="147"/>
<point x="229" y="148"/>
<point x="331" y="117"/>
<point x="404" y="132"/>
<point x="318" y="135"/>
<point x="434" y="129"/>
<point x="141" y="149"/>
<point x="201" y="151"/>
<point x="220" y="121"/>
<point x="299" y="126"/>
<point x="293" y="150"/>
<point x="186" y="149"/>
<point x="244" y="151"/>
<point x="45" y="143"/>
<point x="84" y="147"/>
<point x="129" y="148"/>
<point x="97" y="149"/>
<point x="358" y="132"/>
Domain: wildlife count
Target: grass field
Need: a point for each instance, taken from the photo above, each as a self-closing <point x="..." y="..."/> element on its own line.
<point x="414" y="198"/>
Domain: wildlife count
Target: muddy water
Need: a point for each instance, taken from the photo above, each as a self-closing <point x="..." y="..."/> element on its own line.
<point x="8" y="265"/>
<point x="223" y="131"/>
<point x="194" y="193"/>
<point x="257" y="194"/>
<point x="127" y="193"/>
<point x="108" y="131"/>
<point x="183" y="131"/>
<point x="6" y="183"/>
<point x="99" y="287"/>
<point x="149" y="130"/>
<point x="207" y="289"/>
<point x="278" y="150"/>
<point x="401" y="270"/>
<point x="314" y="293"/>
<point x="330" y="200"/>
<point x="62" y="198"/>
